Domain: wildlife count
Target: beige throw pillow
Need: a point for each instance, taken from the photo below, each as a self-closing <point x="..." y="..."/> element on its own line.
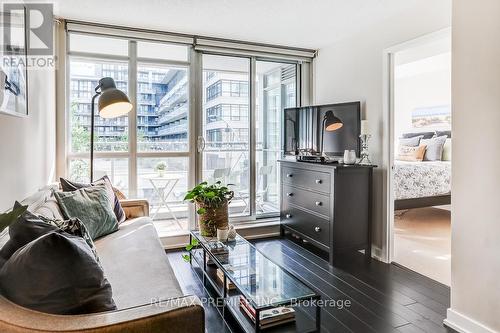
<point x="411" y="154"/>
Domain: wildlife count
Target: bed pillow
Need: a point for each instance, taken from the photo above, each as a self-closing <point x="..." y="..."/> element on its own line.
<point x="68" y="186"/>
<point x="410" y="142"/>
<point x="434" y="151"/>
<point x="58" y="274"/>
<point x="441" y="133"/>
<point x="91" y="206"/>
<point x="447" y="150"/>
<point x="411" y="154"/>
<point x="426" y="135"/>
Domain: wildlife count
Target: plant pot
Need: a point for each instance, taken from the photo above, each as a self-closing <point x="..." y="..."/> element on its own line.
<point x="161" y="173"/>
<point x="212" y="219"/>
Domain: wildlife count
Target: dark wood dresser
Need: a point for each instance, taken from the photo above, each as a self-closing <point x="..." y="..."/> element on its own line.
<point x="327" y="205"/>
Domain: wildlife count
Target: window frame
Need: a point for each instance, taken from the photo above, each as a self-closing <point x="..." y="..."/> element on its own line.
<point x="195" y="86"/>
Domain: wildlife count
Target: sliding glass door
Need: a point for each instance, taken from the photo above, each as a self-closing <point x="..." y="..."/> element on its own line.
<point x="276" y="90"/>
<point x="226" y="127"/>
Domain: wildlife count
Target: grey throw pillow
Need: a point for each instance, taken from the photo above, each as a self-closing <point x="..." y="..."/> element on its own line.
<point x="73" y="227"/>
<point x="56" y="273"/>
<point x="434" y="150"/>
<point x="411" y="142"/>
<point x="27" y="228"/>
<point x="91" y="206"/>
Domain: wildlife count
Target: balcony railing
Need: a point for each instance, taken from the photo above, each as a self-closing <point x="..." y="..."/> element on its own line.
<point x="177" y="114"/>
<point x="177" y="129"/>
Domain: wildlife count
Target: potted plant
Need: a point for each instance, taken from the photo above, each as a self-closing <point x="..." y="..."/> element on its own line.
<point x="160" y="168"/>
<point x="211" y="205"/>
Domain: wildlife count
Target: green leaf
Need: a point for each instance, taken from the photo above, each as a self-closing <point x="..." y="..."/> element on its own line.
<point x="194" y="242"/>
<point x="189" y="196"/>
<point x="201" y="211"/>
<point x="189" y="247"/>
<point x="185" y="257"/>
<point x="210" y="194"/>
<point x="9" y="218"/>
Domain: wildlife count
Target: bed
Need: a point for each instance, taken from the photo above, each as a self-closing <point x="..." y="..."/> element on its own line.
<point x="421" y="184"/>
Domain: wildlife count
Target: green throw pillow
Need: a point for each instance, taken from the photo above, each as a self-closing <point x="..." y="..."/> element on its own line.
<point x="91" y="206"/>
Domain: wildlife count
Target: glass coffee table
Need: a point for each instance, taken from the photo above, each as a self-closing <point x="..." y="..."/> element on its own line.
<point x="239" y="273"/>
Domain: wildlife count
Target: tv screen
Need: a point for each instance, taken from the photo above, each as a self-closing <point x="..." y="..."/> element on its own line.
<point x="302" y="129"/>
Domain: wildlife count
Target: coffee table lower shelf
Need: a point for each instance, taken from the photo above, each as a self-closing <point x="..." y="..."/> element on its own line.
<point x="304" y="322"/>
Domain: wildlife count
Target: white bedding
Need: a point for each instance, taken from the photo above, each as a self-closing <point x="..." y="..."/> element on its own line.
<point x="421" y="179"/>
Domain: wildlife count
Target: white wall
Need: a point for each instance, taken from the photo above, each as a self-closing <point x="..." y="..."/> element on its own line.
<point x="475" y="249"/>
<point x="351" y="69"/>
<point x="27" y="145"/>
<point x="422" y="83"/>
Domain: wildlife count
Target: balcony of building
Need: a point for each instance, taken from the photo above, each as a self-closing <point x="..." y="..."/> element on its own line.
<point x="177" y="113"/>
<point x="176" y="95"/>
<point x="173" y="129"/>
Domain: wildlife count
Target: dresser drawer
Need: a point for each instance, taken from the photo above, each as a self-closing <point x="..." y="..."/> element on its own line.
<point x="308" y="224"/>
<point x="314" y="180"/>
<point x="316" y="202"/>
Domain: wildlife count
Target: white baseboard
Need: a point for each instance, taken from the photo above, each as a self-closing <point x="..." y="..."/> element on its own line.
<point x="377" y="254"/>
<point x="464" y="324"/>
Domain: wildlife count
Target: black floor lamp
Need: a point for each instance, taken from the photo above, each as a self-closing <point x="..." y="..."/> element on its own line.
<point x="112" y="103"/>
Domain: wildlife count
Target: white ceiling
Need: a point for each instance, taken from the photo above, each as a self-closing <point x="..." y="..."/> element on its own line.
<point x="300" y="23"/>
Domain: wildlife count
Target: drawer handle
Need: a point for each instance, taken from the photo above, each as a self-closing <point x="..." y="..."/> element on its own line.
<point x="317" y="229"/>
<point x="318" y="181"/>
<point x="290" y="194"/>
<point x="318" y="203"/>
<point x="288" y="216"/>
<point x="289" y="175"/>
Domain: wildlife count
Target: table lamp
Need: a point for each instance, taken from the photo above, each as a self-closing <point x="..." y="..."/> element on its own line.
<point x="330" y="123"/>
<point x="113" y="103"/>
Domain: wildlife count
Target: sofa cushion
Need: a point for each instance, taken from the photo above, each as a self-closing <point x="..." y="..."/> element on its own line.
<point x="136" y="264"/>
<point x="56" y="273"/>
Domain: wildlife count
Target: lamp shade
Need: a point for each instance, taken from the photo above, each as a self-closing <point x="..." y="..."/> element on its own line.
<point x="112" y="102"/>
<point x="332" y="123"/>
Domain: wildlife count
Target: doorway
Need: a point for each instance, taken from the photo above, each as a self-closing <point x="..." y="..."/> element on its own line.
<point x="420" y="155"/>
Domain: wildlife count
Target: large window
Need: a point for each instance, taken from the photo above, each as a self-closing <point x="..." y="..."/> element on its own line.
<point x="155" y="165"/>
<point x="149" y="153"/>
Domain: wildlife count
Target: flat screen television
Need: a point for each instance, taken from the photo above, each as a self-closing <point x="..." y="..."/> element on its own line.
<point x="302" y="129"/>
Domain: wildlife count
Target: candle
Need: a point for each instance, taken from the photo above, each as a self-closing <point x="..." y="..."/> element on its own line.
<point x="364" y="127"/>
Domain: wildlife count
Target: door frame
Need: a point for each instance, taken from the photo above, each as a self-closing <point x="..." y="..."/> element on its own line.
<point x="388" y="139"/>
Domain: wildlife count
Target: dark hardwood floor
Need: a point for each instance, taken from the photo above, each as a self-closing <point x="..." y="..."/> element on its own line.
<point x="383" y="297"/>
